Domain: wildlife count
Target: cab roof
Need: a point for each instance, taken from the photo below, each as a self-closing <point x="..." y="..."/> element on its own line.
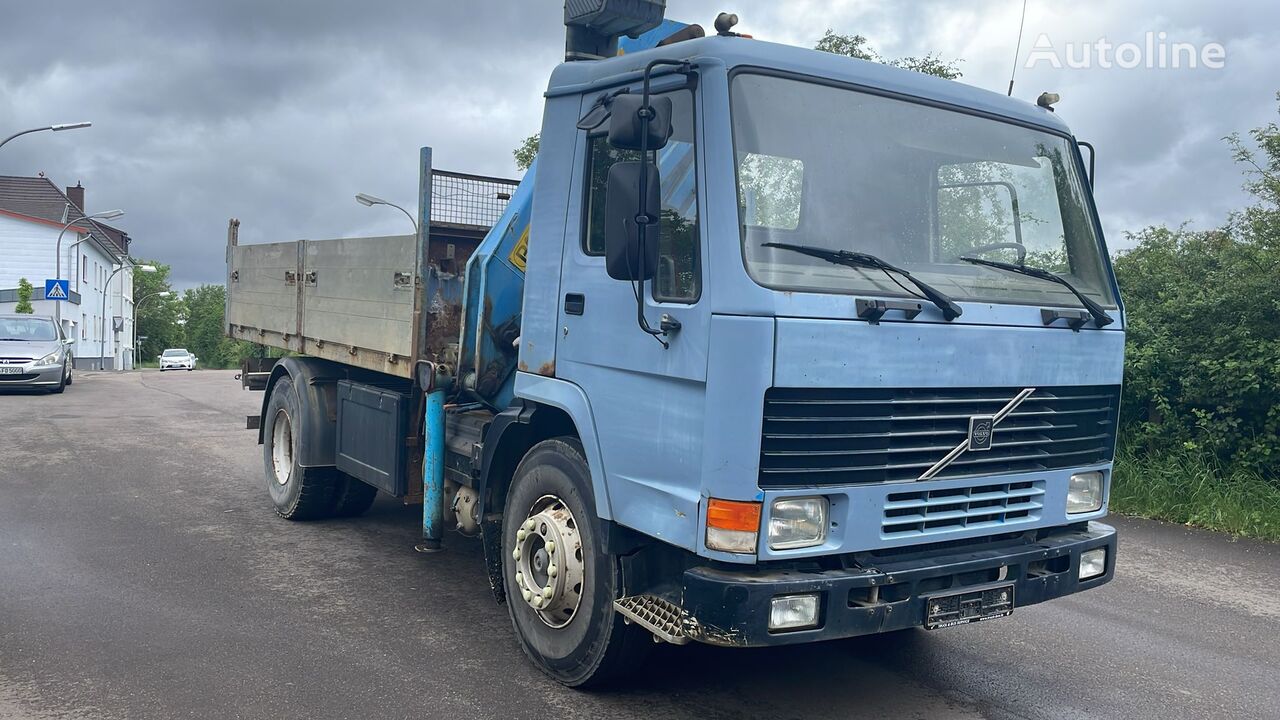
<point x="737" y="52"/>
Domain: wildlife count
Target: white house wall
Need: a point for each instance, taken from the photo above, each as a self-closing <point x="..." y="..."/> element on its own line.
<point x="27" y="250"/>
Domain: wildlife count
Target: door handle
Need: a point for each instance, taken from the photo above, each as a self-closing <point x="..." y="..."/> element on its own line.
<point x="574" y="303"/>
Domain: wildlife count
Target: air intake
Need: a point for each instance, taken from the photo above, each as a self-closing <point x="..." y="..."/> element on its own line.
<point x="592" y="27"/>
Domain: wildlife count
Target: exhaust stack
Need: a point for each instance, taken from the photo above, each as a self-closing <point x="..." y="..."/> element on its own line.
<point x="592" y="27"/>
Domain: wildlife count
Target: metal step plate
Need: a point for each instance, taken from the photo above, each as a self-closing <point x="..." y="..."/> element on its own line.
<point x="658" y="616"/>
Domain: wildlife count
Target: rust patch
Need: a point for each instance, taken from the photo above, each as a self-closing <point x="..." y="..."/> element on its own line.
<point x="548" y="369"/>
<point x="523" y="366"/>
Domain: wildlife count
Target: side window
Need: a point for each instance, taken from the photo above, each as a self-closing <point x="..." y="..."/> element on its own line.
<point x="679" y="274"/>
<point x="769" y="191"/>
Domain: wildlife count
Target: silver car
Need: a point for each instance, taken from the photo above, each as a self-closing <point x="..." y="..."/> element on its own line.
<point x="177" y="359"/>
<point x="34" y="353"/>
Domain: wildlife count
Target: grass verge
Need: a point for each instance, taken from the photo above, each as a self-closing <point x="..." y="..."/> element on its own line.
<point x="1188" y="488"/>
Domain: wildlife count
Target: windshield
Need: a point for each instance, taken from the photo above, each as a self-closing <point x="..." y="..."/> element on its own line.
<point x="175" y="353"/>
<point x="914" y="185"/>
<point x="31" y="329"/>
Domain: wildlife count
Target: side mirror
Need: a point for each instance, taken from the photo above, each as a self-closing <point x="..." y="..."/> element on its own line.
<point x="627" y="127"/>
<point x="623" y="259"/>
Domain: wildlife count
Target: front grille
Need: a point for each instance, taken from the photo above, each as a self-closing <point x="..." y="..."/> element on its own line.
<point x="816" y="437"/>
<point x="18" y="378"/>
<point x="925" y="512"/>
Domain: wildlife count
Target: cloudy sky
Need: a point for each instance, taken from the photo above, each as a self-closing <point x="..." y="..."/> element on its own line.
<point x="278" y="112"/>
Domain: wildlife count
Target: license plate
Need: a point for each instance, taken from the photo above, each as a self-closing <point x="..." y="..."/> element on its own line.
<point x="943" y="611"/>
<point x="10" y="370"/>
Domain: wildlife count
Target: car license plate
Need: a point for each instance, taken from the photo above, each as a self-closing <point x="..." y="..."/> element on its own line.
<point x="10" y="370"/>
<point x="943" y="611"/>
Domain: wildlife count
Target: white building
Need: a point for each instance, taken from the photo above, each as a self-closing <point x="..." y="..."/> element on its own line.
<point x="33" y="212"/>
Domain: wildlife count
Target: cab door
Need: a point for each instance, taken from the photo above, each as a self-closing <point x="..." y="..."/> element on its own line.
<point x="647" y="399"/>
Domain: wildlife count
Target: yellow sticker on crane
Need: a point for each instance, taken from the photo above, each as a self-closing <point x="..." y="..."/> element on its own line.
<point x="520" y="253"/>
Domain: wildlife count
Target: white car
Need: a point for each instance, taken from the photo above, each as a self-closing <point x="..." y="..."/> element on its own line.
<point x="177" y="359"/>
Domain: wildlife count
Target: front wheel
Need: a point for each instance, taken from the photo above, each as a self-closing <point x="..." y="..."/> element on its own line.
<point x="562" y="582"/>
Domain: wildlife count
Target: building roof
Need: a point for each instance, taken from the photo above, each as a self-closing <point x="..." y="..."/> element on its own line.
<point x="40" y="198"/>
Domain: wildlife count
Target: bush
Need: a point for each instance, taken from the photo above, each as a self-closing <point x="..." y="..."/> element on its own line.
<point x="1196" y="489"/>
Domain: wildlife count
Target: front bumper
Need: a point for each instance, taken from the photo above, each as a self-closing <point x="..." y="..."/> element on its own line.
<point x="730" y="607"/>
<point x="33" y="376"/>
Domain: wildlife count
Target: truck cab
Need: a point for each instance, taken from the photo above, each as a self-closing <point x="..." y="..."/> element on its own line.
<point x="816" y="431"/>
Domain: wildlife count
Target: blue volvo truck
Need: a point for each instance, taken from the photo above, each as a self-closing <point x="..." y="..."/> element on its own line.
<point x="770" y="346"/>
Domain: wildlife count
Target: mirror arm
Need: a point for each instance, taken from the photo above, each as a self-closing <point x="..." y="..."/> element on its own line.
<point x="642" y="218"/>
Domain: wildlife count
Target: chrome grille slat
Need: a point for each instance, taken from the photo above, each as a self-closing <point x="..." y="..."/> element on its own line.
<point x="817" y="436"/>
<point x="925" y="512"/>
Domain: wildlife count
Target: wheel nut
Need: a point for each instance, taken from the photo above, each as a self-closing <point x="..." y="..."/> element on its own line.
<point x="546" y="592"/>
<point x="527" y="596"/>
<point x="551" y="546"/>
<point x="551" y="571"/>
<point x="537" y="601"/>
<point x="520" y="579"/>
<point x="528" y="524"/>
<point x="521" y="534"/>
<point x="515" y="553"/>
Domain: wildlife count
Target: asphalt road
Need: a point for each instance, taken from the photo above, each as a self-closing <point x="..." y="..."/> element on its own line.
<point x="144" y="575"/>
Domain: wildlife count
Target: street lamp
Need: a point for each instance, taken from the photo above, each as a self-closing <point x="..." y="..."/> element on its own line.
<point x="102" y="321"/>
<point x="136" y="305"/>
<point x="57" y="267"/>
<point x="55" y="128"/>
<point x="370" y="201"/>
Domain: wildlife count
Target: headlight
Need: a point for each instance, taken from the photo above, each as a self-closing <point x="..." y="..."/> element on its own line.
<point x="50" y="359"/>
<point x="1084" y="493"/>
<point x="797" y="523"/>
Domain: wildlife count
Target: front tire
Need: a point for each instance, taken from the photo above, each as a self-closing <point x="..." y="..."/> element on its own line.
<point x="62" y="380"/>
<point x="562" y="582"/>
<point x="299" y="493"/>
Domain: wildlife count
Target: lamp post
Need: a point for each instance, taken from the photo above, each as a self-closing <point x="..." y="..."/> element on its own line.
<point x="370" y="201"/>
<point x="57" y="263"/>
<point x="102" y="321"/>
<point x="136" y="305"/>
<point x="55" y="128"/>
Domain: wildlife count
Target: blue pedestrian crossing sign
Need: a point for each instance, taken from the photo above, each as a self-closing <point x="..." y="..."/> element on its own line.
<point x="57" y="289"/>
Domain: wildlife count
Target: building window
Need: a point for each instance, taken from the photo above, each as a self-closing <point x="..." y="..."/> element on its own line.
<point x="84" y="268"/>
<point x="83" y="324"/>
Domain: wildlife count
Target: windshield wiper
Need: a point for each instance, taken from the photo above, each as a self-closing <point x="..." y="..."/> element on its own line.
<point x="1100" y="316"/>
<point x="14" y="340"/>
<point x="950" y="310"/>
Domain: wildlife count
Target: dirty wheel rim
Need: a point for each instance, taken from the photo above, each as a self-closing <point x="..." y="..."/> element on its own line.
<point x="282" y="447"/>
<point x="549" y="570"/>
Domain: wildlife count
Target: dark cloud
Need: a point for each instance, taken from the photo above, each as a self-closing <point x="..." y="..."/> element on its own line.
<point x="278" y="112"/>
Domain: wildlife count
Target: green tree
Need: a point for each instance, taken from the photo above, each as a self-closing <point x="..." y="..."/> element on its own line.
<point x="1202" y="367"/>
<point x="527" y="152"/>
<point x="855" y="46"/>
<point x="24" y="297"/>
<point x="157" y="317"/>
<point x="205" y="312"/>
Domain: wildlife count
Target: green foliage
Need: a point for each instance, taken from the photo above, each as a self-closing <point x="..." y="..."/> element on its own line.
<point x="1196" y="489"/>
<point x="158" y="318"/>
<point x="527" y="152"/>
<point x="1202" y="366"/>
<point x="24" y="297"/>
<point x="855" y="46"/>
<point x="205" y="309"/>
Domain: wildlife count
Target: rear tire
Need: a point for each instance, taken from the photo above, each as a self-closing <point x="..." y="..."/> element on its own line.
<point x="353" y="497"/>
<point x="299" y="493"/>
<point x="576" y="637"/>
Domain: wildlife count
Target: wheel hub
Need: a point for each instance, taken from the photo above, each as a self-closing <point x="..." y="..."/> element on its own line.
<point x="282" y="447"/>
<point x="548" y="561"/>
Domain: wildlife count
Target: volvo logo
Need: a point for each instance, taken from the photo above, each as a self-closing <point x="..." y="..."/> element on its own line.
<point x="980" y="427"/>
<point x="981" y="430"/>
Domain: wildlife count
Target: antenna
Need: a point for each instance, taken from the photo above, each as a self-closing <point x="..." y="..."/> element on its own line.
<point x="1018" y="52"/>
